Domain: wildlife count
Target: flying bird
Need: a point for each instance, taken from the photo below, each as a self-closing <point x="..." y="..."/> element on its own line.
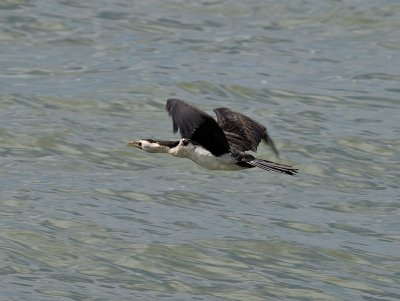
<point x="214" y="144"/>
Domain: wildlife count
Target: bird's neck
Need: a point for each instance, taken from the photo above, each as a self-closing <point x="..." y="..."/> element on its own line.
<point x="167" y="145"/>
<point x="162" y="146"/>
<point x="180" y="148"/>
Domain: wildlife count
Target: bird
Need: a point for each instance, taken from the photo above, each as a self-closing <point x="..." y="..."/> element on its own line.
<point x="221" y="144"/>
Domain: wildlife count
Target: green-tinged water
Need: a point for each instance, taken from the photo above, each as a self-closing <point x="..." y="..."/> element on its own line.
<point x="84" y="217"/>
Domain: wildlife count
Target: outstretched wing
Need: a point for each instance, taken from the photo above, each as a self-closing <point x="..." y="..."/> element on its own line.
<point x="197" y="126"/>
<point x="242" y="132"/>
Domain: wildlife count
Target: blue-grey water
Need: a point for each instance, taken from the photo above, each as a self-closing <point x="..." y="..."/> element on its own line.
<point x="84" y="217"/>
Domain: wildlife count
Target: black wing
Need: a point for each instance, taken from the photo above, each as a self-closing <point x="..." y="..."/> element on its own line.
<point x="242" y="132"/>
<point x="197" y="126"/>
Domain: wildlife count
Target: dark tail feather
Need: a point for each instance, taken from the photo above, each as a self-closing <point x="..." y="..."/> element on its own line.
<point x="274" y="167"/>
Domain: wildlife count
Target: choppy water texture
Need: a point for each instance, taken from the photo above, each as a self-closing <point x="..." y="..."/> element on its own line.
<point x="84" y="217"/>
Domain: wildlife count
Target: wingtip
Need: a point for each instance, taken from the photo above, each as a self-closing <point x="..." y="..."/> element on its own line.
<point x="268" y="140"/>
<point x="168" y="105"/>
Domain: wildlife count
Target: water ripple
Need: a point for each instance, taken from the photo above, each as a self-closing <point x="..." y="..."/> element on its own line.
<point x="85" y="217"/>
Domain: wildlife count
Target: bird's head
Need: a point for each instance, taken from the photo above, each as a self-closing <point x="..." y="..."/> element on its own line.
<point x="152" y="146"/>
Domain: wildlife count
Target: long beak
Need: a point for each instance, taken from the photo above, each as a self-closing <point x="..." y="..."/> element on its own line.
<point x="134" y="144"/>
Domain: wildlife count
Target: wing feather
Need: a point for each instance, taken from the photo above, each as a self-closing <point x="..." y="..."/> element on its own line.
<point x="197" y="126"/>
<point x="242" y="132"/>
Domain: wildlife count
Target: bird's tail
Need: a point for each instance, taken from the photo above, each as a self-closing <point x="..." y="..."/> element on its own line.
<point x="272" y="166"/>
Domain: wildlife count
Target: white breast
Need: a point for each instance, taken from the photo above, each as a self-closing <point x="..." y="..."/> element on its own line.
<point x="204" y="158"/>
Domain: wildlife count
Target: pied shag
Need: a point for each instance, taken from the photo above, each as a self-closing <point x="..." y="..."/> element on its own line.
<point x="214" y="144"/>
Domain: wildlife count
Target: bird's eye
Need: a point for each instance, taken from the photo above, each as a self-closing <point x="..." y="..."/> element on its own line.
<point x="140" y="144"/>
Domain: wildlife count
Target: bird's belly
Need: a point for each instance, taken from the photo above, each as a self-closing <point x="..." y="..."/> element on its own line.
<point x="209" y="161"/>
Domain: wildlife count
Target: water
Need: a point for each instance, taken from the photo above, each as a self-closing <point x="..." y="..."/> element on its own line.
<point x="84" y="217"/>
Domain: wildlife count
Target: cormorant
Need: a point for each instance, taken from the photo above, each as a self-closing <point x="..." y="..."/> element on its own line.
<point x="214" y="144"/>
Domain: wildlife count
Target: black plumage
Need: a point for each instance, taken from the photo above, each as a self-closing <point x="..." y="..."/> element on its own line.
<point x="197" y="126"/>
<point x="232" y="132"/>
<point x="242" y="132"/>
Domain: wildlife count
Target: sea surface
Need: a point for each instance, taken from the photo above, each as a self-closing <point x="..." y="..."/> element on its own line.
<point x="85" y="217"/>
